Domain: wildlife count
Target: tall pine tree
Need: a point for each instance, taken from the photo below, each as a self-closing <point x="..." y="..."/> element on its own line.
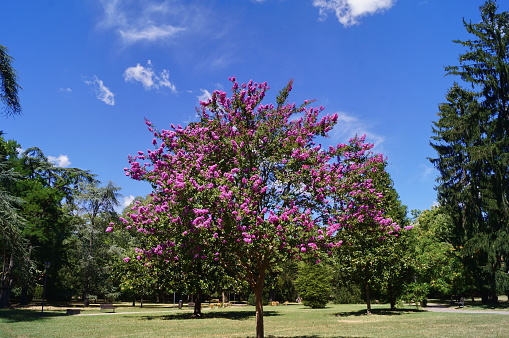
<point x="472" y="142"/>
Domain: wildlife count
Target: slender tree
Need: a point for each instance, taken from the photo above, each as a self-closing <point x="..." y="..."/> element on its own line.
<point x="472" y="142"/>
<point x="247" y="186"/>
<point x="96" y="209"/>
<point x="14" y="253"/>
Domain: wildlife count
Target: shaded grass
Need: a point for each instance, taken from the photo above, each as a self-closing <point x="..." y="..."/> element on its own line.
<point x="231" y="315"/>
<point x="282" y="321"/>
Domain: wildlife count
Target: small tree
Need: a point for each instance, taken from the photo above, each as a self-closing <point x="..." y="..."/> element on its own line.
<point x="314" y="284"/>
<point x="247" y="186"/>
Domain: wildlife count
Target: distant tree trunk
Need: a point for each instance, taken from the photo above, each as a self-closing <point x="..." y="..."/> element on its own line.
<point x="24" y="295"/>
<point x="134" y="301"/>
<point x="223" y="298"/>
<point x="6" y="281"/>
<point x="392" y="297"/>
<point x="367" y="289"/>
<point x="86" y="301"/>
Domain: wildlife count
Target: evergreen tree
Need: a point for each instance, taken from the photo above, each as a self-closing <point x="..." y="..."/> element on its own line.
<point x="314" y="284"/>
<point x="472" y="142"/>
<point x="9" y="86"/>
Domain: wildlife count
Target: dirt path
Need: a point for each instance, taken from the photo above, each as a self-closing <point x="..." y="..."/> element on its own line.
<point x="448" y="308"/>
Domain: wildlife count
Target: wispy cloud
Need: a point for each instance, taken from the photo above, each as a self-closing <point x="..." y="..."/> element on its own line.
<point x="60" y="161"/>
<point x="426" y="172"/>
<point x="137" y="21"/>
<point x="349" y="126"/>
<point x="349" y="11"/>
<point x="102" y="92"/>
<point x="204" y="96"/>
<point x="148" y="77"/>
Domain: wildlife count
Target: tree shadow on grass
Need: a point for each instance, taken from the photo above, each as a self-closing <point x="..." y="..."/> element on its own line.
<point x="379" y="312"/>
<point x="233" y="315"/>
<point x="307" y="336"/>
<point x="13" y="316"/>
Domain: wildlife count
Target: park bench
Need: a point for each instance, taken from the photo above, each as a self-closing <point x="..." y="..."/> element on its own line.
<point x="107" y="306"/>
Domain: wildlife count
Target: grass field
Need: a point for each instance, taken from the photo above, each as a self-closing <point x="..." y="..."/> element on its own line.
<point x="282" y="321"/>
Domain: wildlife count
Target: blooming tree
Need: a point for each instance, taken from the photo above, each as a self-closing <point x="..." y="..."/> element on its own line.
<point x="248" y="186"/>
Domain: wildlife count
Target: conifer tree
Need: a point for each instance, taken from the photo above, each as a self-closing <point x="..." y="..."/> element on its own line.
<point x="472" y="142"/>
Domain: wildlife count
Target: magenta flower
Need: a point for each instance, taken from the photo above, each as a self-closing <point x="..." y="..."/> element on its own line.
<point x="109" y="229"/>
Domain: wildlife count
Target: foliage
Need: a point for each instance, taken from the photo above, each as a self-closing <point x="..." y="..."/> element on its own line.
<point x="247" y="186"/>
<point x="94" y="252"/>
<point x="374" y="257"/>
<point x="40" y="211"/>
<point x="9" y="86"/>
<point x="314" y="284"/>
<point x="436" y="263"/>
<point x="472" y="142"/>
<point x="16" y="266"/>
<point x="347" y="293"/>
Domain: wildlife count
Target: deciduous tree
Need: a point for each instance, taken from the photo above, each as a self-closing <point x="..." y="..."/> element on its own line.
<point x="248" y="185"/>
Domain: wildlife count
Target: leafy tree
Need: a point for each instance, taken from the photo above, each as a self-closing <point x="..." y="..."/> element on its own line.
<point x="9" y="86"/>
<point x="247" y="186"/>
<point x="314" y="284"/>
<point x="95" y="251"/>
<point x="374" y="257"/>
<point x="436" y="265"/>
<point x="472" y="142"/>
<point x="14" y="255"/>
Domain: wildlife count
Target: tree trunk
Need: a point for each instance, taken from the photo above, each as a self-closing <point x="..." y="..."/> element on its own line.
<point x="224" y="299"/>
<point x="197" y="305"/>
<point x="6" y="282"/>
<point x="368" y="299"/>
<point x="86" y="301"/>
<point x="367" y="290"/>
<point x="258" y="292"/>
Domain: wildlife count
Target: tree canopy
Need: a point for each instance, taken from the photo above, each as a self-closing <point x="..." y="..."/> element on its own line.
<point x="248" y="185"/>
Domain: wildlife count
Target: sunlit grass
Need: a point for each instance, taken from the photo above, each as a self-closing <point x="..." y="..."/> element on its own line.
<point x="282" y="321"/>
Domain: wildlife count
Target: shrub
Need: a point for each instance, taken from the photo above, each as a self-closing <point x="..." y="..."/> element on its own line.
<point x="313" y="284"/>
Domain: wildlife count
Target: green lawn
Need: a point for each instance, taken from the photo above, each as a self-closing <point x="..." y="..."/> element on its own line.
<point x="280" y="321"/>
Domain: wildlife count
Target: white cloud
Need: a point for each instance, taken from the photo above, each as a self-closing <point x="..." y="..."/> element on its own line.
<point x="148" y="77"/>
<point x="138" y="21"/>
<point x="150" y="33"/>
<point x="102" y="92"/>
<point x="349" y="126"/>
<point x="349" y="11"/>
<point x="65" y="90"/>
<point x="60" y="161"/>
<point x="127" y="200"/>
<point x="204" y="96"/>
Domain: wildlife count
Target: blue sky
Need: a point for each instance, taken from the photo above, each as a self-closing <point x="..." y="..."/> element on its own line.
<point x="92" y="70"/>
